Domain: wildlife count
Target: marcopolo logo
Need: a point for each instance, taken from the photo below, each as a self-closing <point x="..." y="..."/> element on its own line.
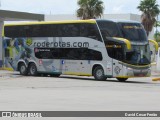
<point x="61" y="44"/>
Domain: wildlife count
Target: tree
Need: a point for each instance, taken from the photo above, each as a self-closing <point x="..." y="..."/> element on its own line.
<point x="157" y="34"/>
<point x="90" y="9"/>
<point x="150" y="10"/>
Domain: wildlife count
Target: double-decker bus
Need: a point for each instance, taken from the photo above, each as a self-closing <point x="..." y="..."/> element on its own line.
<point x="100" y="48"/>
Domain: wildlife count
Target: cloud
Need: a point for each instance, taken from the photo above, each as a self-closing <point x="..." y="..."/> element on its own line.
<point x="117" y="9"/>
<point x="41" y="6"/>
<point x="68" y="6"/>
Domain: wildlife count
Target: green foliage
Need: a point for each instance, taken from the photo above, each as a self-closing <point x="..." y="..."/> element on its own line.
<point x="150" y="9"/>
<point x="157" y="36"/>
<point x="149" y="6"/>
<point x="157" y="24"/>
<point x="90" y="9"/>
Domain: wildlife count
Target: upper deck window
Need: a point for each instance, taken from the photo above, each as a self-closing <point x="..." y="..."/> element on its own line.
<point x="109" y="29"/>
<point x="88" y="30"/>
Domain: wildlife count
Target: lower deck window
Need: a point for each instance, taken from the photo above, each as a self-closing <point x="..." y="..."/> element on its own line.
<point x="68" y="53"/>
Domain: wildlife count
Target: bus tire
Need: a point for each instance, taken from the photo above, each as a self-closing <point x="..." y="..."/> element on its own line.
<point x="98" y="73"/>
<point x="32" y="69"/>
<point x="122" y="79"/>
<point x="23" y="69"/>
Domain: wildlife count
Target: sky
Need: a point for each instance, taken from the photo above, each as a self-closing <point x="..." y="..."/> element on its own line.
<point x="68" y="6"/>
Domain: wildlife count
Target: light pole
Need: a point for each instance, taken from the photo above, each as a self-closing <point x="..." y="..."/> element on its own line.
<point x="156" y="35"/>
<point x="0" y="3"/>
<point x="157" y="26"/>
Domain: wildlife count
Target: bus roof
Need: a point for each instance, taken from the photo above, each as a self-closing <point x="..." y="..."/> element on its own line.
<point x="92" y="21"/>
<point x="118" y="21"/>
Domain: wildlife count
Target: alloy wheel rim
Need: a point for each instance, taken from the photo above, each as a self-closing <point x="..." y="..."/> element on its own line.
<point x="99" y="73"/>
<point x="32" y="70"/>
<point x="23" y="68"/>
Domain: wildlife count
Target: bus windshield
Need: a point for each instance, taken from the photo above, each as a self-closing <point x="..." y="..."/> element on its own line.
<point x="139" y="55"/>
<point x="133" y="31"/>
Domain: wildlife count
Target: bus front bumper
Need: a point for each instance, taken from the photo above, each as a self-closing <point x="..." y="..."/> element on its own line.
<point x="135" y="72"/>
<point x="138" y="72"/>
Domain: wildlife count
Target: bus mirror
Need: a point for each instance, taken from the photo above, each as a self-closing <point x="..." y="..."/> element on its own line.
<point x="155" y="44"/>
<point x="127" y="42"/>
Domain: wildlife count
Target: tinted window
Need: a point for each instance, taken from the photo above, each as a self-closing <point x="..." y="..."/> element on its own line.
<point x="138" y="55"/>
<point x="54" y="30"/>
<point x="13" y="31"/>
<point x="115" y="50"/>
<point x="68" y="53"/>
<point x="68" y="30"/>
<point x="90" y="31"/>
<point x="133" y="31"/>
<point x="109" y="29"/>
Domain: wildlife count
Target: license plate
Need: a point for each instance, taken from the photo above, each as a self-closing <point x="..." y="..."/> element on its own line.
<point x="141" y="75"/>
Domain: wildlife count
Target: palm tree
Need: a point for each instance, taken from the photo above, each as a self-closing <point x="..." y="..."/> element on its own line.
<point x="150" y="10"/>
<point x="157" y="33"/>
<point x="90" y="9"/>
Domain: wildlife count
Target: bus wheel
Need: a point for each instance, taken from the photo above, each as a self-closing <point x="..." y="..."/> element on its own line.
<point x="98" y="73"/>
<point x="32" y="69"/>
<point x="122" y="79"/>
<point x="55" y="75"/>
<point x="23" y="69"/>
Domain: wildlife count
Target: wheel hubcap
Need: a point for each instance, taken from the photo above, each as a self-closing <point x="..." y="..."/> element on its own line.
<point x="23" y="68"/>
<point x="32" y="70"/>
<point x="99" y="73"/>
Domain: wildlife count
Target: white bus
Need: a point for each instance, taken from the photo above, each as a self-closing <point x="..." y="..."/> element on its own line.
<point x="100" y="48"/>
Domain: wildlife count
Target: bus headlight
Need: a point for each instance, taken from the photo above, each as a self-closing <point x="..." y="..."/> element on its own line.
<point x="130" y="69"/>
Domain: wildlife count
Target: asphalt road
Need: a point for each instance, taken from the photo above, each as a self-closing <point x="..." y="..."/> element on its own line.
<point x="74" y="93"/>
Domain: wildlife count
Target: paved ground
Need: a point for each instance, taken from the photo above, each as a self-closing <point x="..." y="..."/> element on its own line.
<point x="72" y="93"/>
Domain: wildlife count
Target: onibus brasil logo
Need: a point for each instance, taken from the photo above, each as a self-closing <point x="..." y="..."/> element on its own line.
<point x="22" y="114"/>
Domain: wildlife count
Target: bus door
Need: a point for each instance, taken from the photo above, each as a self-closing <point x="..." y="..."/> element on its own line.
<point x="117" y="68"/>
<point x="116" y="52"/>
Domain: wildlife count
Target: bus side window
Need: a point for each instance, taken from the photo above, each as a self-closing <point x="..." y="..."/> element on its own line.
<point x="90" y="31"/>
<point x="109" y="29"/>
<point x="70" y="53"/>
<point x="83" y="30"/>
<point x="55" y="53"/>
<point x="115" y="52"/>
<point x="74" y="30"/>
<point x="68" y="30"/>
<point x="95" y="55"/>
